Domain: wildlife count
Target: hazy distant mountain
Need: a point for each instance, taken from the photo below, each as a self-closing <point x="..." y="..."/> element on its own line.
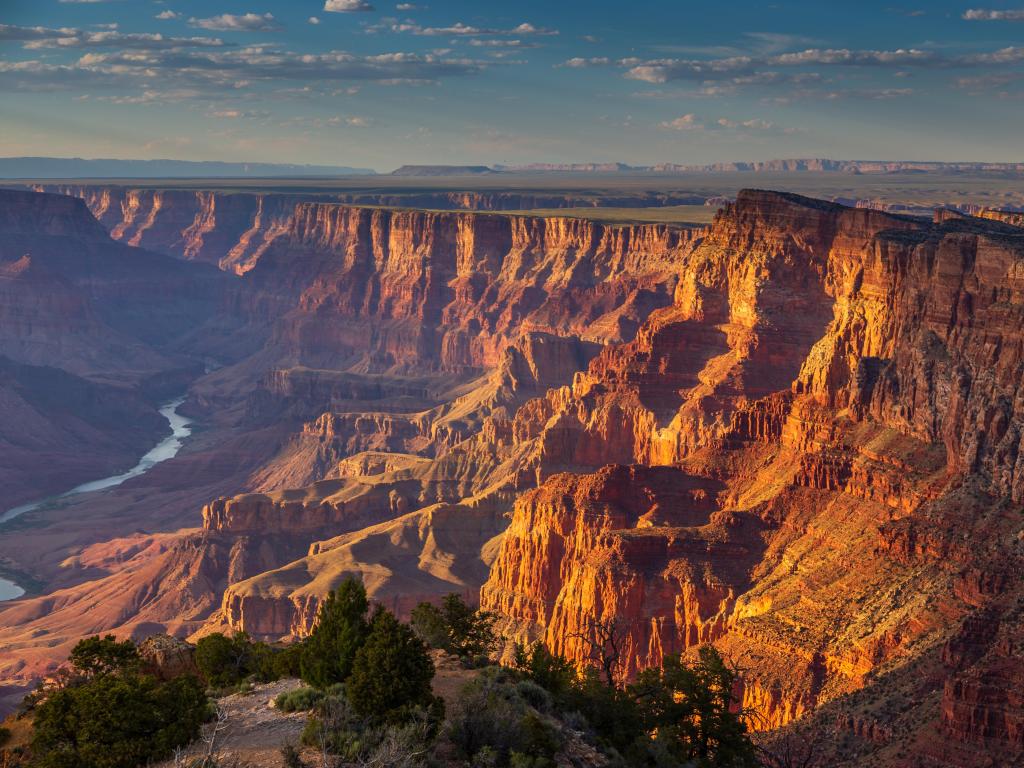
<point x="442" y="170"/>
<point x="793" y="165"/>
<point x="77" y="167"/>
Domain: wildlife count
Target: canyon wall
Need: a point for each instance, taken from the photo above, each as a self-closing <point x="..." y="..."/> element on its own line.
<point x="89" y="334"/>
<point x="381" y="291"/>
<point x="824" y="376"/>
<point x="232" y="228"/>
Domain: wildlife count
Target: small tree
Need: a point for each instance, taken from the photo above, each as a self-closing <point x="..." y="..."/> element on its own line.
<point x="392" y="672"/>
<point x="116" y="719"/>
<point x="455" y="627"/>
<point x="340" y="630"/>
<point x="603" y="640"/>
<point x="222" y="660"/>
<point x="691" y="710"/>
<point x="94" y="655"/>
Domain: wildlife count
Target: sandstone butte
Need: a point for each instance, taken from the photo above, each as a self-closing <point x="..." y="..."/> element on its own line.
<point x="795" y="434"/>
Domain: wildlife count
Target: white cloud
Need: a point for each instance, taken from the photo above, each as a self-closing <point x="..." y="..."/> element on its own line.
<point x="13" y="32"/>
<point x="981" y="14"/>
<point x="66" y="37"/>
<point x="347" y="6"/>
<point x="466" y="30"/>
<point x="213" y="71"/>
<point x="314" y="20"/>
<point x="688" y="122"/>
<point x="692" y="122"/>
<point x="406" y="7"/>
<point x="579" y="62"/>
<point x="479" y="43"/>
<point x="754" y="125"/>
<point x="245" y="22"/>
<point x="166" y="15"/>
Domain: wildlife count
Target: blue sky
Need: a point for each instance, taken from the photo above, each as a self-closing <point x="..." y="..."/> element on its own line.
<point x="379" y="84"/>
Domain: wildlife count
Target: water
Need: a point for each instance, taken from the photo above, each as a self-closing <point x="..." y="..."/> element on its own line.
<point x="9" y="590"/>
<point x="165" y="449"/>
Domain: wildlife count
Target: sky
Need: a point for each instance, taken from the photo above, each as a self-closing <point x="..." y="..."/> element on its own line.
<point x="379" y="84"/>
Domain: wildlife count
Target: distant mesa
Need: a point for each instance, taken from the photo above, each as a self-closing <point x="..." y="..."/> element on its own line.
<point x="575" y="167"/>
<point x="78" y="168"/>
<point x="443" y="170"/>
<point x="791" y="165"/>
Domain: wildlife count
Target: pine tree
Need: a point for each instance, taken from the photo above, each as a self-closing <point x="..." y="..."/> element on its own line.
<point x="392" y="672"/>
<point x="341" y="628"/>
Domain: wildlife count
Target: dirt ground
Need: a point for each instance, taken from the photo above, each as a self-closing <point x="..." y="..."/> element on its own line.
<point x="252" y="732"/>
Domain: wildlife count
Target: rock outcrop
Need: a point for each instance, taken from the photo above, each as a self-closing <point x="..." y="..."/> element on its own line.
<point x="824" y="380"/>
<point x="232" y="229"/>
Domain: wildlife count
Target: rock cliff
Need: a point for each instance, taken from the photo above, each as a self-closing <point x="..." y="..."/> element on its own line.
<point x="830" y="388"/>
<point x="232" y="229"/>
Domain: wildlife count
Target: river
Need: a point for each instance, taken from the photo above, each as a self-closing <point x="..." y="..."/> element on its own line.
<point x="165" y="449"/>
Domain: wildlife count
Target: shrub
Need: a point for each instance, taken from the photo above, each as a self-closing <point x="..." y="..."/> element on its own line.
<point x="455" y="627"/>
<point x="391" y="672"/>
<point x="341" y="627"/>
<point x="551" y="672"/>
<point x="484" y="719"/>
<point x="534" y="695"/>
<point x="492" y="721"/>
<point x="93" y="656"/>
<point x="116" y="721"/>
<point x="291" y="757"/>
<point x="335" y="728"/>
<point x="690" y="709"/>
<point x="224" y="661"/>
<point x="299" y="700"/>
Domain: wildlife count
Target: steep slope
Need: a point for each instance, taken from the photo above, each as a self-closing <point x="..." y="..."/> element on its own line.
<point x="233" y="229"/>
<point x="392" y="291"/>
<point x="88" y="334"/>
<point x="59" y="430"/>
<point x="831" y="389"/>
<point x="62" y="270"/>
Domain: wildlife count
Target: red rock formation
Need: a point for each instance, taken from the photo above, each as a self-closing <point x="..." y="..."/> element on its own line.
<point x="382" y="290"/>
<point x="230" y="230"/>
<point x="832" y="370"/>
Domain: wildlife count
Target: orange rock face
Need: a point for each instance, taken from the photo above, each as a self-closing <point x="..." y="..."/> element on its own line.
<point x="832" y="393"/>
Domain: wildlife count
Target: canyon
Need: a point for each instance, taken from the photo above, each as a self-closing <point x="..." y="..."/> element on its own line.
<point x="795" y="433"/>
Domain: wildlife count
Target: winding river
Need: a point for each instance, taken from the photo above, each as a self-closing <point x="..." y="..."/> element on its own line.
<point x="165" y="449"/>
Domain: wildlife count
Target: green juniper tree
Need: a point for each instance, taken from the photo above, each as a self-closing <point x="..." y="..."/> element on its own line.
<point x="110" y="715"/>
<point x="341" y="628"/>
<point x="392" y="672"/>
<point x="455" y="627"/>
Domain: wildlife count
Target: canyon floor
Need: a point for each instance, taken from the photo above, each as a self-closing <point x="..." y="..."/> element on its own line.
<point x="782" y="425"/>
